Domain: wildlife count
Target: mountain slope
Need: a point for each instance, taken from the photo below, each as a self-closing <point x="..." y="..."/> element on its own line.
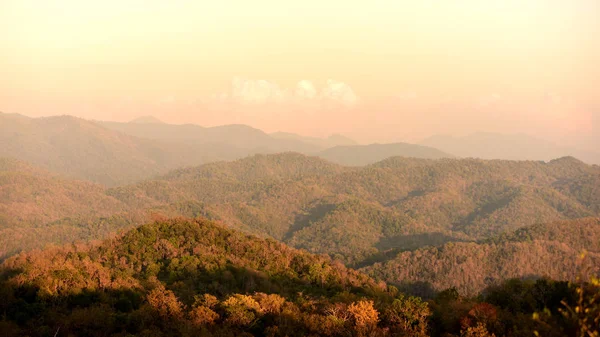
<point x="37" y="208"/>
<point x="397" y="203"/>
<point x="194" y="277"/>
<point x="360" y="155"/>
<point x="187" y="277"/>
<point x="29" y="195"/>
<point x="543" y="250"/>
<point x="82" y="149"/>
<point x="357" y="214"/>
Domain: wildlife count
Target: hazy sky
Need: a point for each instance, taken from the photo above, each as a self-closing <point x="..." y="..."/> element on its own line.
<point x="376" y="70"/>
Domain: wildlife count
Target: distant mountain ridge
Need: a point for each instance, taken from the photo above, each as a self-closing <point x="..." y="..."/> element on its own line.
<point x="147" y="120"/>
<point x="237" y="135"/>
<point x="113" y="153"/>
<point x="324" y="143"/>
<point x="82" y="149"/>
<point x="506" y="146"/>
<point x="360" y="155"/>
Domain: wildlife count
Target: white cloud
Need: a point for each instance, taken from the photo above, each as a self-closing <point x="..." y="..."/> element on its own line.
<point x="339" y="92"/>
<point x="256" y="91"/>
<point x="305" y="90"/>
<point x="253" y="91"/>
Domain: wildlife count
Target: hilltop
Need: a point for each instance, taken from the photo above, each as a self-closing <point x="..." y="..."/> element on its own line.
<point x="147" y="120"/>
<point x="186" y="277"/>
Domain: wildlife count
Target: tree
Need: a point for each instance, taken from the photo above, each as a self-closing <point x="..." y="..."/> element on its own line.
<point x="586" y="311"/>
<point x="481" y="313"/>
<point x="269" y="304"/>
<point x="201" y="316"/>
<point x="477" y="331"/>
<point x="165" y="303"/>
<point x="409" y="315"/>
<point x="241" y="310"/>
<point x="364" y="315"/>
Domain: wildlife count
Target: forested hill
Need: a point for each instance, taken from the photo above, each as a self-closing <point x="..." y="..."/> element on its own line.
<point x="187" y="277"/>
<point x="359" y="215"/>
<point x="545" y="250"/>
<point x="397" y="203"/>
<point x="38" y="208"/>
<point x="34" y="196"/>
<point x="196" y="278"/>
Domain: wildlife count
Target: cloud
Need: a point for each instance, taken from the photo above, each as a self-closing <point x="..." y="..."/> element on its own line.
<point x="305" y="90"/>
<point x="339" y="92"/>
<point x="256" y="91"/>
<point x="252" y="91"/>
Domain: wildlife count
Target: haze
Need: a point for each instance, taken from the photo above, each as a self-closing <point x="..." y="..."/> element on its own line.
<point x="364" y="168"/>
<point x="377" y="71"/>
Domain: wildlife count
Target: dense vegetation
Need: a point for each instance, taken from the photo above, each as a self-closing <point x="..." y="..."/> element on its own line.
<point x="549" y="250"/>
<point x="399" y="203"/>
<point x="359" y="216"/>
<point x="193" y="277"/>
<point x="183" y="278"/>
<point x="453" y="231"/>
<point x="37" y="208"/>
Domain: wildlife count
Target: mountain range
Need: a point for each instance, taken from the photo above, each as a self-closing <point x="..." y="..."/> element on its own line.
<point x="358" y="215"/>
<point x="113" y="154"/>
<point x="148" y="228"/>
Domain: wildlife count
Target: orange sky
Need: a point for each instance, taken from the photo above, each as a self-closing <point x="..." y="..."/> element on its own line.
<point x="377" y="70"/>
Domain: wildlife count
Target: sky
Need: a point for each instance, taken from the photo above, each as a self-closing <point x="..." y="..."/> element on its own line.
<point x="376" y="70"/>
